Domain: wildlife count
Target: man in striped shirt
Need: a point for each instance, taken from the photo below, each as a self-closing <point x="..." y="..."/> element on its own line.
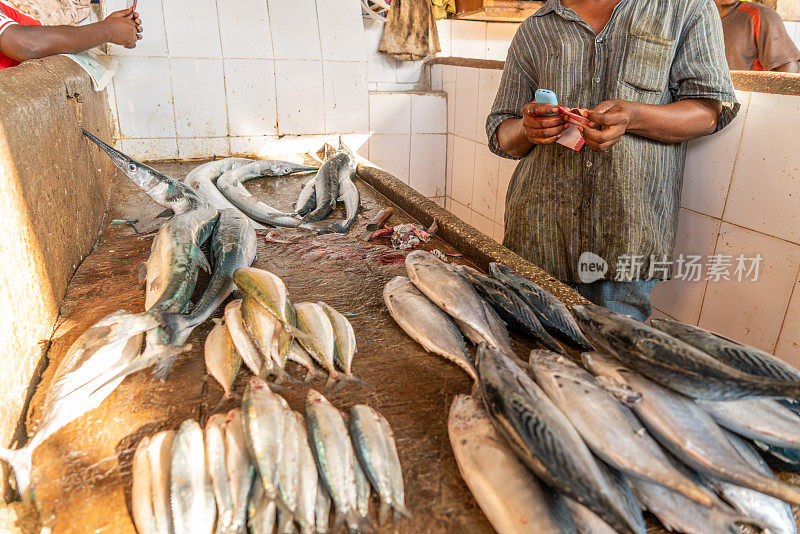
<point x="755" y="38"/>
<point x="23" y="37"/>
<point x="649" y="76"/>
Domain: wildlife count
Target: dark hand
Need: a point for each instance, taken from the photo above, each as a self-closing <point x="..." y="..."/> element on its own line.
<point x="608" y="122"/>
<point x="541" y="130"/>
<point x="123" y="30"/>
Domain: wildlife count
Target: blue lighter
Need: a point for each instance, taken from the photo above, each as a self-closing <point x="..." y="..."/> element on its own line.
<point x="545" y="96"/>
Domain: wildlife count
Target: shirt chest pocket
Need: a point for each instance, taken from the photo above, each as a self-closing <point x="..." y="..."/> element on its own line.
<point x="647" y="62"/>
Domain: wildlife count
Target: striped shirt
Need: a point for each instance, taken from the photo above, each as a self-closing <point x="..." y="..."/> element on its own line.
<point x="623" y="202"/>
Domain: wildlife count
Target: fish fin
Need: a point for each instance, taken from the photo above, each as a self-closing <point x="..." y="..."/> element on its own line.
<point x="142" y="272"/>
<point x="400" y="511"/>
<point x="332" y="383"/>
<point x="476" y="389"/>
<point x="20" y="462"/>
<point x="166" y="358"/>
<point x="218" y="321"/>
<point x="165" y="214"/>
<point x="357" y="523"/>
<point x="383" y="513"/>
<point x="311" y="374"/>
<point x="282" y="377"/>
<point x="351" y="378"/>
<point x="202" y="260"/>
<point x="174" y="324"/>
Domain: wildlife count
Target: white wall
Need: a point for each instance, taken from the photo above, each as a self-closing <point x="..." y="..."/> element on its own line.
<point x="741" y="194"/>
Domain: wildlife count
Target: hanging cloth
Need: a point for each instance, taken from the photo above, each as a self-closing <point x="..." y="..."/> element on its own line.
<point x="410" y="31"/>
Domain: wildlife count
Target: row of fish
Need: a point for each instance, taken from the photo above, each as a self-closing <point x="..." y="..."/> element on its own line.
<point x="265" y="330"/>
<point x="438" y="302"/>
<point x="265" y="462"/>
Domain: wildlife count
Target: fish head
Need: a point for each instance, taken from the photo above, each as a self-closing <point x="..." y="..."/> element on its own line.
<point x="233" y="415"/>
<point x="315" y="397"/>
<point x="548" y="360"/>
<point x="138" y="172"/>
<point x="602" y="325"/>
<point x="396" y="283"/>
<point x="612" y="376"/>
<point x="257" y="384"/>
<point x="499" y="270"/>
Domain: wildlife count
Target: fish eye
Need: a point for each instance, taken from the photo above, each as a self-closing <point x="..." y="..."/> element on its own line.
<point x="132" y="167"/>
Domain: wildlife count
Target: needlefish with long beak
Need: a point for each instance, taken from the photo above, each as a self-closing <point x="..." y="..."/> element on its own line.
<point x="80" y="383"/>
<point x="176" y="247"/>
<point x="233" y="245"/>
<point x="231" y="186"/>
<point x="203" y="179"/>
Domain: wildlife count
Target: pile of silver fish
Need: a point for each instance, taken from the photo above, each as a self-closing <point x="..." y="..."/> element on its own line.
<point x="265" y="464"/>
<point x="265" y="330"/>
<point x="667" y="420"/>
<point x="111" y="349"/>
<point x="438" y="302"/>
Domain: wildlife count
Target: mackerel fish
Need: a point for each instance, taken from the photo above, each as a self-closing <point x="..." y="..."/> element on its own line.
<point x="216" y="463"/>
<point x="241" y="471"/>
<point x="244" y="344"/>
<point x="222" y="360"/>
<point x="758" y="419"/>
<point x="142" y="490"/>
<point x="264" y="427"/>
<point x="191" y="495"/>
<point x="308" y="480"/>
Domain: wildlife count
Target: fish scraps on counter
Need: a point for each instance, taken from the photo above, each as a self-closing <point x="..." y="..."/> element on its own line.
<point x="265" y="464"/>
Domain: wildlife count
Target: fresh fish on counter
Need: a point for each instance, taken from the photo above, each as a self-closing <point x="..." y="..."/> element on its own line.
<point x="586" y="521"/>
<point x="375" y="449"/>
<point x="552" y="313"/>
<point x="320" y="341"/>
<point x="610" y="429"/>
<point x="426" y="323"/>
<point x="264" y="331"/>
<point x="80" y="383"/>
<point x="334" y="455"/>
<point x="344" y="342"/>
<point x="349" y="194"/>
<point x="142" y="490"/>
<point x="230" y="185"/>
<point x="685" y="429"/>
<point x="498" y="328"/>
<point x="216" y="463"/>
<point x="159" y="452"/>
<point x="191" y="494"/>
<point x="509" y="306"/>
<point x="300" y="356"/>
<point x="264" y="427"/>
<point x="261" y="512"/>
<point x="222" y="360"/>
<point x="506" y="491"/>
<point x="546" y="442"/>
<point x="442" y="284"/>
<point x="788" y="459"/>
<point x="203" y="180"/>
<point x="339" y="167"/>
<point x="672" y="362"/>
<point x="747" y="359"/>
<point x="165" y="191"/>
<point x="363" y="488"/>
<point x="244" y="344"/>
<point x="322" y="509"/>
<point x="307" y="198"/>
<point x="268" y="290"/>
<point x="773" y="513"/>
<point x="233" y="245"/>
<point x="288" y="470"/>
<point x="241" y="471"/>
<point x="307" y="480"/>
<point x="757" y="419"/>
<point x="679" y="514"/>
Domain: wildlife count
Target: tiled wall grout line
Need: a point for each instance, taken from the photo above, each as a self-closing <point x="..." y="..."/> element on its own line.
<point x="224" y="86"/>
<point x="786" y="311"/>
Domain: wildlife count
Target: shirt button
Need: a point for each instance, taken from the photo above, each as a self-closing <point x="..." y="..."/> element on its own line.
<point x="600" y="39"/>
<point x="597" y="80"/>
<point x="588" y="164"/>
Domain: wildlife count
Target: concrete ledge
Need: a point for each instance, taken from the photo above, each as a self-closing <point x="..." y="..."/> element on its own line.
<point x="53" y="194"/>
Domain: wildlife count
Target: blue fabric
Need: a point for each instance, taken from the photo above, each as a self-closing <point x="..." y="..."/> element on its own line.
<point x="627" y="298"/>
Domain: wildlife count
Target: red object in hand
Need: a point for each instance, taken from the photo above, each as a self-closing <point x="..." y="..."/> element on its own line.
<point x="132" y="7"/>
<point x="571" y="137"/>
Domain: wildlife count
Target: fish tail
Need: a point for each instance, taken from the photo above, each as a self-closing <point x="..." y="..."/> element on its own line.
<point x="165" y="358"/>
<point x="550" y="342"/>
<point x="174" y="324"/>
<point x="476" y="389"/>
<point x="282" y="377"/>
<point x="20" y="462"/>
<point x="332" y="384"/>
<point x="311" y="374"/>
<point x="383" y="512"/>
<point x="725" y="521"/>
<point x="400" y="511"/>
<point x="338" y="520"/>
<point x="357" y="523"/>
<point x="351" y="378"/>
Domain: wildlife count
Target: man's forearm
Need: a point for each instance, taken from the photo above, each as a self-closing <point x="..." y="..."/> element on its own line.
<point x="33" y="42"/>
<point x="511" y="138"/>
<point x="676" y="122"/>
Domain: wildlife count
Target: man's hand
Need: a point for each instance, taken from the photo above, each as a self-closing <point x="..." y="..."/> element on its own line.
<point x="608" y="122"/>
<point x="123" y="30"/>
<point x="540" y="129"/>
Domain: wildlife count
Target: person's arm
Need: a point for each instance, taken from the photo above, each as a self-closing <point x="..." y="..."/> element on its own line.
<point x="670" y="123"/>
<point x="33" y="42"/>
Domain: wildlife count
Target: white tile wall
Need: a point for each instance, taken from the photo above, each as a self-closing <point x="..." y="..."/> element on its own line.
<point x="199" y="90"/>
<point x="463" y="169"/>
<point x="192" y="28"/>
<point x="199" y="148"/>
<point x="154" y="38"/>
<point x="341" y="31"/>
<point x="391" y="153"/>
<point x="485" y="182"/>
<point x="427" y="166"/>
<point x="245" y="30"/>
<point x="469" y="39"/>
<point x="346" y="97"/>
<point x="300" y="111"/>
<point x="498" y="39"/>
<point x="144" y="98"/>
<point x="390" y="112"/>
<point x="250" y="91"/>
<point x="444" y="29"/>
<point x="150" y="149"/>
<point x="466" y="102"/>
<point x="429" y="113"/>
<point x="488" y="84"/>
<point x="295" y="33"/>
